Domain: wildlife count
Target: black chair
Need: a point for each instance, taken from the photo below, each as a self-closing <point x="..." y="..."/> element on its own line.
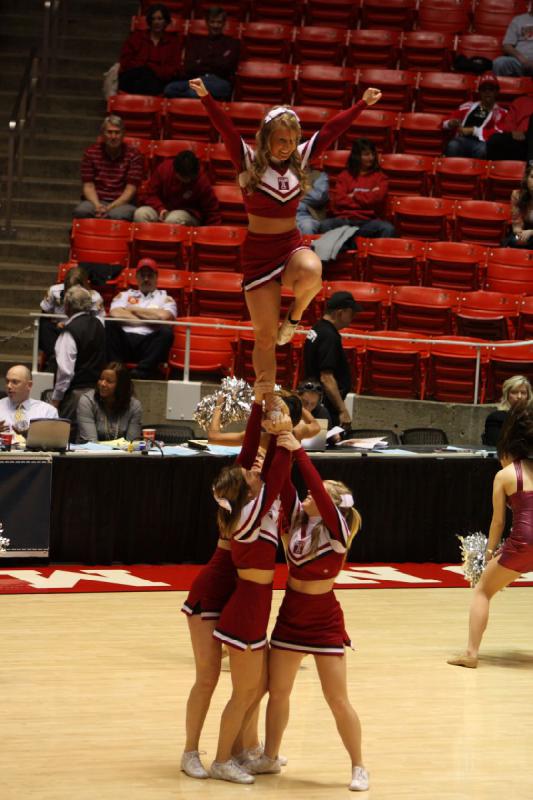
<point x="172" y="434"/>
<point x="424" y="436"/>
<point x="371" y="433"/>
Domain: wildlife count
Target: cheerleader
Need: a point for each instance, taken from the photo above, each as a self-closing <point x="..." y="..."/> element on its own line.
<point x="310" y="619"/>
<point x="272" y="179"/>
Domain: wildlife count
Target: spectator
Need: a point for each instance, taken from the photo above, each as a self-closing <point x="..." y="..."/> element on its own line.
<point x="149" y="59"/>
<point x="312" y="208"/>
<point x="515" y="391"/>
<point x="475" y="121"/>
<point x="79" y="352"/>
<point x="359" y="195"/>
<point x="179" y="192"/>
<point x="140" y="339"/>
<point x="311" y="395"/>
<point x="214" y="59"/>
<point x="515" y="142"/>
<point x="110" y="411"/>
<point x="324" y="357"/>
<point x="111" y="171"/>
<point x="18" y="409"/>
<point x="517" y="47"/>
<point x="53" y="303"/>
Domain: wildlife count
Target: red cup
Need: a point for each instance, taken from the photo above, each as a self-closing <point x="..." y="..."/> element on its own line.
<point x="6" y="438"/>
<point x="149" y="434"/>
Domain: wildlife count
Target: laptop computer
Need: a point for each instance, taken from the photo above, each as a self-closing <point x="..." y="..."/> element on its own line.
<point x="317" y="442"/>
<point x="48" y="435"/>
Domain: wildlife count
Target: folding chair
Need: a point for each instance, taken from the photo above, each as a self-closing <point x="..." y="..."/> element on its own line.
<point x="104" y="241"/>
<point x="450" y="16"/>
<point x="186" y="118"/>
<point x="459" y="178"/>
<point x="218" y="294"/>
<point x="165" y="243"/>
<point x="264" y="82"/>
<point x="426" y="218"/>
<point x="216" y="247"/>
<point x="475" y="45"/>
<point x="393" y="261"/>
<point x="423" y="436"/>
<point x="210" y="347"/>
<point x="504" y="362"/>
<point x="510" y="270"/>
<point x="407" y="173"/>
<point x="394" y="367"/>
<point x="397" y="85"/>
<point x="337" y="13"/>
<point x="312" y="118"/>
<point x="231" y="204"/>
<point x="443" y="92"/>
<point x="325" y="85"/>
<point x="374" y="299"/>
<point x="220" y="165"/>
<point x="492" y="17"/>
<point x="423" y="309"/>
<point x="502" y="178"/>
<point x="378" y="126"/>
<point x="314" y="44"/>
<point x="426" y="50"/>
<point x="481" y="221"/>
<point x="487" y="315"/>
<point x="454" y="265"/>
<point x="452" y="370"/>
<point x="268" y="40"/>
<point x="277" y="11"/>
<point x="525" y="319"/>
<point x="141" y="114"/>
<point x="373" y="48"/>
<point x="421" y="133"/>
<point x="246" y="117"/>
<point x="388" y="14"/>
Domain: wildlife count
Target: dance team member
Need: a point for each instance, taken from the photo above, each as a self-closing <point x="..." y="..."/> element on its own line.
<point x="272" y="180"/>
<point x="513" y="485"/>
<point x="310" y="619"/>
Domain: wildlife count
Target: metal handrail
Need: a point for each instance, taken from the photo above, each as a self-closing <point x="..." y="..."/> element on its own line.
<point x="477" y="346"/>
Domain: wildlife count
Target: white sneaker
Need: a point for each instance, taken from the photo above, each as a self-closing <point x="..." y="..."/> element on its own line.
<point x="360" y="782"/>
<point x="262" y="765"/>
<point x="256" y="752"/>
<point x="286" y="331"/>
<point x="229" y="771"/>
<point x="192" y="766"/>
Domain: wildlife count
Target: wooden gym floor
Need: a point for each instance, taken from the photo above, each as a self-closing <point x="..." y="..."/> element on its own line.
<point x="94" y="689"/>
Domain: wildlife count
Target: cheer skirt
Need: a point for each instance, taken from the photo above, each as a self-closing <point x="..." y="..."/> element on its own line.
<point x="212" y="587"/>
<point x="265" y="255"/>
<point x="310" y="623"/>
<point x="244" y="620"/>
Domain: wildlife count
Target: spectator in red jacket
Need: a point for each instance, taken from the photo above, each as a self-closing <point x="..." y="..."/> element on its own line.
<point x="474" y="122"/>
<point x="179" y="192"/>
<point x="515" y="143"/>
<point x="213" y="58"/>
<point x="149" y="59"/>
<point x="359" y="194"/>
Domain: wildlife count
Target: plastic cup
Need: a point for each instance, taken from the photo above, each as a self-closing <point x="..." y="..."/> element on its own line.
<point x="6" y="438"/>
<point x="149" y="434"/>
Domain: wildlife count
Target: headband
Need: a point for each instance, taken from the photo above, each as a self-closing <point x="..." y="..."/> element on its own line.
<point x="277" y="112"/>
<point x="223" y="502"/>
<point x="346" y="501"/>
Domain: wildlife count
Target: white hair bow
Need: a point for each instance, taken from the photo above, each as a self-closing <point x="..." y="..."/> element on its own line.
<point x="277" y="112"/>
<point x="346" y="501"/>
<point x="223" y="502"/>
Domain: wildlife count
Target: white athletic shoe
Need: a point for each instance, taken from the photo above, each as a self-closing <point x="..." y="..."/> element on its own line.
<point x="360" y="782"/>
<point x="256" y="752"/>
<point x="229" y="771"/>
<point x="262" y="765"/>
<point x="286" y="331"/>
<point x="192" y="766"/>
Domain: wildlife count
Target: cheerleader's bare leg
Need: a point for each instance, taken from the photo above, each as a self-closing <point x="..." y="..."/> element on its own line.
<point x="283" y="668"/>
<point x="207" y="655"/>
<point x="303" y="276"/>
<point x="332" y="674"/>
<point x="264" y="306"/>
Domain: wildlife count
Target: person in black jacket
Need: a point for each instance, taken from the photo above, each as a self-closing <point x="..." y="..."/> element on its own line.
<point x="515" y="391"/>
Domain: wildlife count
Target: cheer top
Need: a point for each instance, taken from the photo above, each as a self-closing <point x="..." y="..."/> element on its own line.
<point x="279" y="191"/>
<point x="521" y="503"/>
<point x="327" y="560"/>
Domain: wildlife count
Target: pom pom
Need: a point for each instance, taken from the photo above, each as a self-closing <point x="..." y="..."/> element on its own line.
<point x="4" y="543"/>
<point x="236" y="397"/>
<point x="473" y="549"/>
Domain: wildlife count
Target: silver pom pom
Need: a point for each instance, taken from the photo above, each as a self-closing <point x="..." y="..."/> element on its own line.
<point x="237" y="397"/>
<point x="4" y="543"/>
<point x="473" y="549"/>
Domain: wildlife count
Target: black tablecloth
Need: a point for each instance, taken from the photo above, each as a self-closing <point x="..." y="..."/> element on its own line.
<point x="136" y="509"/>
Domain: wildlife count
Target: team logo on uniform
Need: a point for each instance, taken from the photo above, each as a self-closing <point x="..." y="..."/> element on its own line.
<point x="283" y="184"/>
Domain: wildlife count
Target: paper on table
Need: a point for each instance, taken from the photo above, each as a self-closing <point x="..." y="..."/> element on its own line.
<point x="364" y="444"/>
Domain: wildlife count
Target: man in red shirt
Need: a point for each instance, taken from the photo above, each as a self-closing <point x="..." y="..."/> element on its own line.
<point x="111" y="171"/>
<point x="179" y="192"/>
<point x="214" y="59"/>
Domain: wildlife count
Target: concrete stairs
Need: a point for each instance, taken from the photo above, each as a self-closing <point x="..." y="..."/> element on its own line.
<point x="67" y="122"/>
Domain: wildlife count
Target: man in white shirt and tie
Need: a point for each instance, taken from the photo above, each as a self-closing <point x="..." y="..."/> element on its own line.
<point x="18" y="409"/>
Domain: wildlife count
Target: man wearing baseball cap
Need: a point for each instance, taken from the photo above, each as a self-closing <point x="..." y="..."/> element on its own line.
<point x="324" y="357"/>
<point x="475" y="121"/>
<point x="140" y="339"/>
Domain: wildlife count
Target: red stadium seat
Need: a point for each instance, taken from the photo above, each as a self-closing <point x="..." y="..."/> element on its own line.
<point x="452" y="371"/>
<point x="422" y="309"/>
<point x="313" y="45"/>
<point x="475" y="45"/>
<point x="487" y="315"/>
<point x="325" y="85"/>
<point x="235" y="9"/>
<point x="393" y="14"/>
<point x="511" y="88"/>
<point x="264" y="82"/>
<point x="373" y="48"/>
<point x="425" y="218"/>
<point x="510" y="270"/>
<point x="186" y="118"/>
<point x="169" y="148"/>
<point x="394" y="367"/>
<point x="454" y="265"/>
<point x="277" y="11"/>
<point x="481" y="221"/>
<point x="268" y="40"/>
<point x="141" y="114"/>
<point x="216" y="247"/>
<point x="221" y="166"/>
<point x="104" y="241"/>
<point x="443" y="15"/>
<point x="491" y="17"/>
<point x="502" y="178"/>
<point x="407" y="173"/>
<point x="166" y="244"/>
<point x="176" y="282"/>
<point x="198" y="27"/>
<point x="218" y="292"/>
<point x="393" y="261"/>
<point x="144" y="147"/>
<point x="246" y="117"/>
<point x="334" y="162"/>
<point x="397" y="86"/>
<point x="525" y="319"/>
<point x="210" y="347"/>
<point x="336" y="13"/>
<point x="231" y="204"/>
<point x="443" y="92"/>
<point x="373" y="124"/>
<point x="504" y="362"/>
<point x="374" y="299"/>
<point x="426" y="50"/>
<point x="286" y="357"/>
<point x="181" y="7"/>
<point x="312" y="118"/>
<point x="421" y="133"/>
<point x="459" y="177"/>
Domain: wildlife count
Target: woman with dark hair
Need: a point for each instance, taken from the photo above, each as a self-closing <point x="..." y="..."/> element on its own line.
<point x="522" y="213"/>
<point x="110" y="411"/>
<point x="513" y="485"/>
<point x="149" y="59"/>
<point x="359" y="195"/>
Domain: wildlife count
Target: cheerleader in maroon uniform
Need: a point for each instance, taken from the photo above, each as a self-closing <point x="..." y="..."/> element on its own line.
<point x="512" y="485"/>
<point x="272" y="179"/>
<point x="310" y="619"/>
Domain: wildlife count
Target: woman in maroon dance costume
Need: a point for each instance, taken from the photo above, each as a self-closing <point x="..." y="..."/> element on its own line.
<point x="512" y="485"/>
